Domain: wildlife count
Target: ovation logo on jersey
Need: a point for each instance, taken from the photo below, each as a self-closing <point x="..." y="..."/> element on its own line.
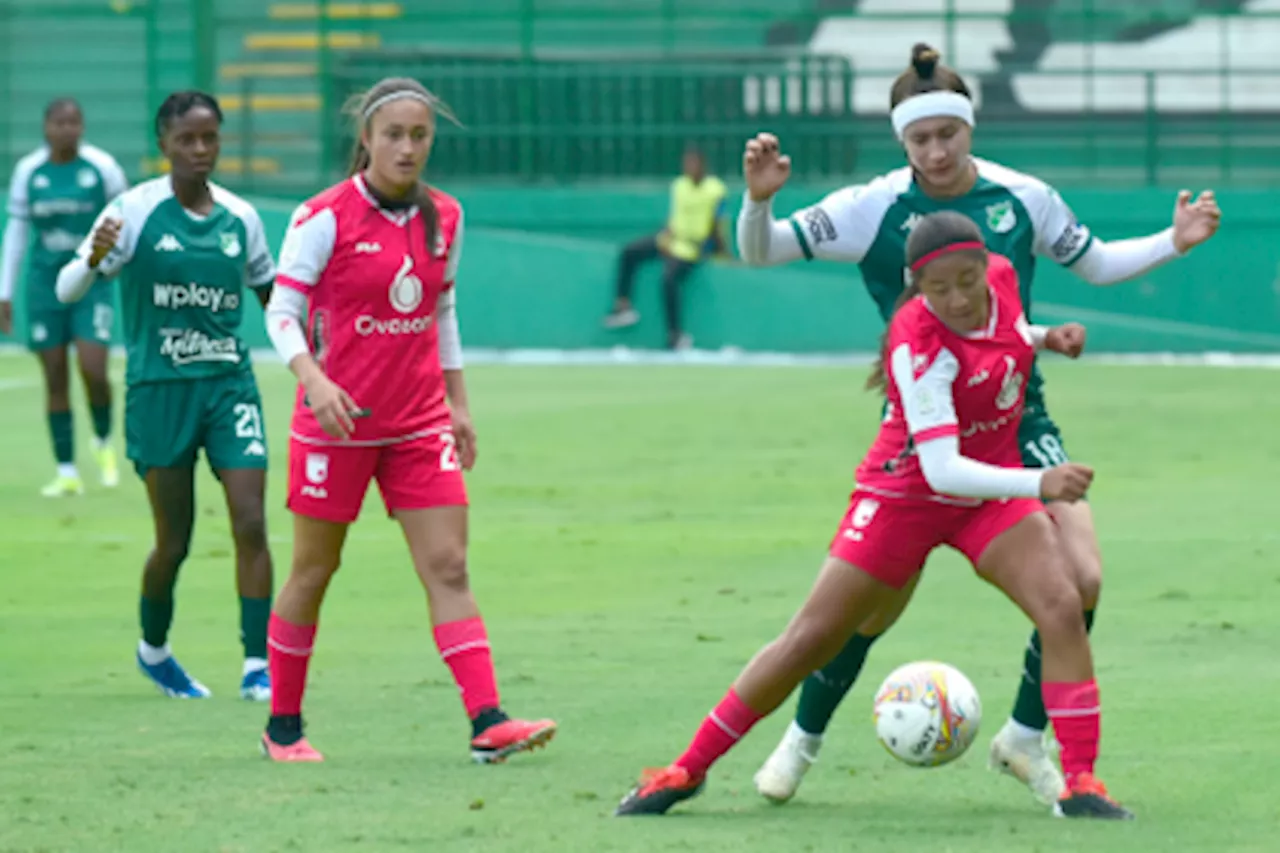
<point x="193" y="295"/>
<point x="190" y="346"/>
<point x="367" y="326"/>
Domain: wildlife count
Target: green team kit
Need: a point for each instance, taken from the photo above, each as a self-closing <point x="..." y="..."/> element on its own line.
<point x="60" y="201"/>
<point x="1021" y="218"/>
<point x="183" y="280"/>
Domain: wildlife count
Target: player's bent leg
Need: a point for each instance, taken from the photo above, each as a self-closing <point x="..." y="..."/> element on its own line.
<point x="842" y="597"/>
<point x="780" y="776"/>
<point x="171" y="492"/>
<point x="245" y="490"/>
<point x="437" y="540"/>
<point x="317" y="554"/>
<point x="93" y="357"/>
<point x="54" y="367"/>
<point x="1024" y="557"/>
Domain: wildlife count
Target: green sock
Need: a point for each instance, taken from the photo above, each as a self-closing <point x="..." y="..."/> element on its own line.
<point x="1028" y="706"/>
<point x="63" y="435"/>
<point x="823" y="690"/>
<point x="101" y="421"/>
<point x="254" y="615"/>
<point x="156" y="617"/>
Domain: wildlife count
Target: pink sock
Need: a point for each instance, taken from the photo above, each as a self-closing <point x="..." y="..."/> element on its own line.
<point x="288" y="653"/>
<point x="1076" y="713"/>
<point x="464" y="647"/>
<point x="722" y="728"/>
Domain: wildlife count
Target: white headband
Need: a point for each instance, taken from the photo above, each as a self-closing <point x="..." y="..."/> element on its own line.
<point x="931" y="105"/>
<point x="395" y="96"/>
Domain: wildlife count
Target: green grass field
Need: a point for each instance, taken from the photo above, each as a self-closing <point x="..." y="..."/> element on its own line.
<point x="638" y="532"/>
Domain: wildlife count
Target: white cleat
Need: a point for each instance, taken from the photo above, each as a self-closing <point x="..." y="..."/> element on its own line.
<point x="780" y="777"/>
<point x="1015" y="752"/>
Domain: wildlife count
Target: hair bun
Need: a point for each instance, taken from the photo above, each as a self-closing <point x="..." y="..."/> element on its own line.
<point x="924" y="59"/>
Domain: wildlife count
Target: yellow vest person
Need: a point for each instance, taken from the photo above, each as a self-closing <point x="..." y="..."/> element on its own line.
<point x="695" y="229"/>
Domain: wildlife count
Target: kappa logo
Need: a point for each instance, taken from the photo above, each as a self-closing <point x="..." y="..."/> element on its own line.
<point x="169" y="243"/>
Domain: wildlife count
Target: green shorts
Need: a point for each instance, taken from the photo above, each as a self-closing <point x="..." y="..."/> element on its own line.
<point x="166" y="424"/>
<point x="52" y="324"/>
<point x="1039" y="438"/>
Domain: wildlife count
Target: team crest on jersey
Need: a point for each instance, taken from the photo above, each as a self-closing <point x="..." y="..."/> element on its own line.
<point x="1011" y="387"/>
<point x="87" y="179"/>
<point x="1001" y="217"/>
<point x="231" y="245"/>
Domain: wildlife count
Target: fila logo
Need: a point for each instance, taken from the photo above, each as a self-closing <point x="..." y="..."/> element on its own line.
<point x="317" y="472"/>
<point x="169" y="243"/>
<point x="368" y="248"/>
<point x="979" y="377"/>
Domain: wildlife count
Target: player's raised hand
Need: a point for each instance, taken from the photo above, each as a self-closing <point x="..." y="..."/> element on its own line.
<point x="1067" y="339"/>
<point x="333" y="407"/>
<point x="1195" y="221"/>
<point x="105" y="237"/>
<point x="1068" y="482"/>
<point x="6" y="317"/>
<point x="764" y="167"/>
<point x="464" y="438"/>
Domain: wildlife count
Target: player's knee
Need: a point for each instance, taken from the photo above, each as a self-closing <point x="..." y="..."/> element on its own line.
<point x="171" y="554"/>
<point x="808" y="645"/>
<point x="250" y="531"/>
<point x="1059" y="609"/>
<point x="447" y="568"/>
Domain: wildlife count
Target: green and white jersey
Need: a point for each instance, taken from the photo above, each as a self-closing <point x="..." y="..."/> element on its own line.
<point x="1021" y="217"/>
<point x="182" y="281"/>
<point x="61" y="200"/>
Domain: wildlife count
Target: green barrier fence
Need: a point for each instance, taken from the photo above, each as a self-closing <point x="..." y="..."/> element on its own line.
<point x="528" y="281"/>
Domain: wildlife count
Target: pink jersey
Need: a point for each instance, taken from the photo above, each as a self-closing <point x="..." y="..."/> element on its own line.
<point x="942" y="383"/>
<point x="372" y="286"/>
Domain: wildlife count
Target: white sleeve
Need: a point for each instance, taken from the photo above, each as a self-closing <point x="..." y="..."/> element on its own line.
<point x="125" y="243"/>
<point x="450" y="337"/>
<point x="74" y="280"/>
<point x="1059" y="235"/>
<point x="17" y="233"/>
<point x="307" y="247"/>
<point x="1039" y="334"/>
<point x="285" y="319"/>
<point x="841" y="227"/>
<point x="929" y="409"/>
<point x="114" y="180"/>
<point x="261" y="268"/>
<point x="1112" y="263"/>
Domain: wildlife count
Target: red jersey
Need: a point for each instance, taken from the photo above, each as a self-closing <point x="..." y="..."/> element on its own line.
<point x="372" y="284"/>
<point x="943" y="383"/>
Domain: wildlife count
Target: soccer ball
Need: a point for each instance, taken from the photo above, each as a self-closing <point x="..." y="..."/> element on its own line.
<point x="927" y="713"/>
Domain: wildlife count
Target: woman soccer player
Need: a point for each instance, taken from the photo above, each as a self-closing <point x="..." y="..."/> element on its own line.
<point x="945" y="469"/>
<point x="186" y="249"/>
<point x="59" y="189"/>
<point x="372" y="262"/>
<point x="1021" y="218"/>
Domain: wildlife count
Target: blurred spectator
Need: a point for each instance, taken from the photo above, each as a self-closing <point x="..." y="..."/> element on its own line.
<point x="695" y="230"/>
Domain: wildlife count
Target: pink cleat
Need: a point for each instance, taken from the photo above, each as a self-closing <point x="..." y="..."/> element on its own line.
<point x="299" y="750"/>
<point x="494" y="744"/>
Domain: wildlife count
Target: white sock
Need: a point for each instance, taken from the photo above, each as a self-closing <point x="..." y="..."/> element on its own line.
<point x="1024" y="736"/>
<point x="68" y="469"/>
<point x="254" y="664"/>
<point x="152" y="655"/>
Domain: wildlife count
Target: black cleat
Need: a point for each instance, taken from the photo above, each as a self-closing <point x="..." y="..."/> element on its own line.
<point x="659" y="790"/>
<point x="1087" y="798"/>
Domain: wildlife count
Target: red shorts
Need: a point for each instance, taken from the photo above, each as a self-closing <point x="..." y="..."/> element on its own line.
<point x="890" y="539"/>
<point x="329" y="482"/>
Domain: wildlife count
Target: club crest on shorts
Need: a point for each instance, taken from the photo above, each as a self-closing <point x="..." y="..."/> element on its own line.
<point x="317" y="467"/>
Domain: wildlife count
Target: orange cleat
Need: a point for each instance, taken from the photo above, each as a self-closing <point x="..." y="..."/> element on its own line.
<point x="659" y="790"/>
<point x="298" y="751"/>
<point x="1087" y="797"/>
